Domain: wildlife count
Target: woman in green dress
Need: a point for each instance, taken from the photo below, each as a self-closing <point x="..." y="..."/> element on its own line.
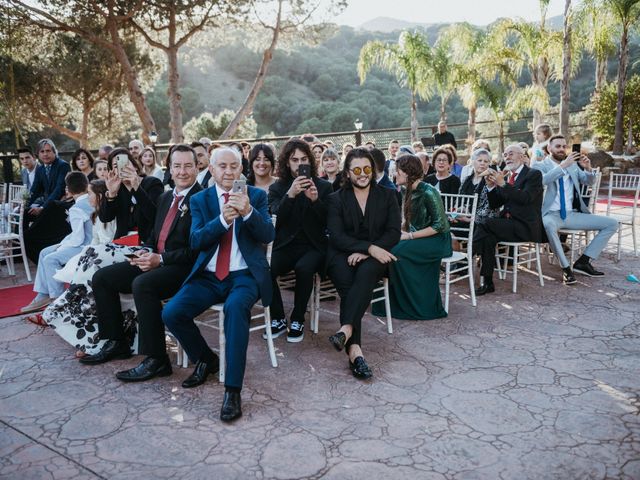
<point x="414" y="278"/>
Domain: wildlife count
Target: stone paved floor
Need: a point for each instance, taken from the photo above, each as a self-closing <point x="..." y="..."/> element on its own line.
<point x="539" y="384"/>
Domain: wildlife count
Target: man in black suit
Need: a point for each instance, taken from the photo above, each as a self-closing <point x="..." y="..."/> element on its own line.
<point x="364" y="225"/>
<point x="300" y="204"/>
<point x="46" y="224"/>
<point x="151" y="276"/>
<point x="444" y="137"/>
<point x="204" y="174"/>
<point x="518" y="190"/>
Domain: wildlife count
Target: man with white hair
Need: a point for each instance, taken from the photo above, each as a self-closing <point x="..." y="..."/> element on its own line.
<point x="518" y="190"/>
<point x="136" y="147"/>
<point x="228" y="232"/>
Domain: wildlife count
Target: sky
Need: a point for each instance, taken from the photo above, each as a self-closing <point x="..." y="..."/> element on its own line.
<point x="477" y="12"/>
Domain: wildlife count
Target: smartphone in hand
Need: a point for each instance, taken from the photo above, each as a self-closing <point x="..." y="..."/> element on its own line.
<point x="304" y="170"/>
<point x="576" y="147"/>
<point x="239" y="186"/>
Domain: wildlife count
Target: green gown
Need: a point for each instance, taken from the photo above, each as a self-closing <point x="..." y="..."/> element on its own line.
<point x="414" y="279"/>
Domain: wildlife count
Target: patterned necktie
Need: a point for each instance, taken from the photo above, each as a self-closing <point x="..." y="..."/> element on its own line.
<point x="47" y="171"/>
<point x="563" y="202"/>
<point x="224" y="251"/>
<point x="168" y="221"/>
<point x="512" y="178"/>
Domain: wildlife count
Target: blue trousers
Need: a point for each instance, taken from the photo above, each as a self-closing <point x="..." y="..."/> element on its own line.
<point x="239" y="292"/>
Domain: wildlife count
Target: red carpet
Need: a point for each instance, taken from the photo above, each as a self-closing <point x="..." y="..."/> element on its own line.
<point x="12" y="299"/>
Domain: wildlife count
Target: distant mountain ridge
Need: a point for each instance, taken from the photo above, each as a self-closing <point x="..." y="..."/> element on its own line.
<point x="390" y="25"/>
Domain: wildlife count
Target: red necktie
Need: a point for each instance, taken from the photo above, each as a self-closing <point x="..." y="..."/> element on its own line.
<point x="168" y="221"/>
<point x="224" y="251"/>
<point x="512" y="178"/>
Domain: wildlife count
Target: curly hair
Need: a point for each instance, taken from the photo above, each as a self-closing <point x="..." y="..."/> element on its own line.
<point x="447" y="151"/>
<point x="253" y="155"/>
<point x="284" y="172"/>
<point x="76" y="154"/>
<point x="411" y="166"/>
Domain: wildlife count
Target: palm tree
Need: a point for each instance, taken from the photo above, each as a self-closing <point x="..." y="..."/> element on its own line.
<point x="407" y="60"/>
<point x="597" y="28"/>
<point x="479" y="57"/>
<point x="566" y="69"/>
<point x="540" y="50"/>
<point x="627" y="12"/>
<point x="443" y="73"/>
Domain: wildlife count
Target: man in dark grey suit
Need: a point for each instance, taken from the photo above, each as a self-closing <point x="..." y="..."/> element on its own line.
<point x="29" y="164"/>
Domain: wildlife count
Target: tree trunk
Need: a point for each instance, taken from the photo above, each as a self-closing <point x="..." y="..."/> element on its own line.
<point x="471" y="124"/>
<point x="247" y="106"/>
<point x="601" y="73"/>
<point x="566" y="71"/>
<point x="414" y="118"/>
<point x="175" y="108"/>
<point x="135" y="91"/>
<point x="622" y="83"/>
<point x="173" y="92"/>
<point x="84" y="128"/>
<point x="443" y="109"/>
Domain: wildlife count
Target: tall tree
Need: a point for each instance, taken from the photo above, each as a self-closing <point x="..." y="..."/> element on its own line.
<point x="112" y="18"/>
<point x="597" y="29"/>
<point x="566" y="69"/>
<point x="408" y="60"/>
<point x="627" y="13"/>
<point x="293" y="18"/>
<point x="168" y="25"/>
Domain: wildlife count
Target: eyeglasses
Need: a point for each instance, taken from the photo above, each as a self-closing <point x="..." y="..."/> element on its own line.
<point x="358" y="171"/>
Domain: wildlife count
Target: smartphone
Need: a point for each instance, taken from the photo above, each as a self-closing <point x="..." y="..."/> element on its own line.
<point x="122" y="160"/>
<point x="576" y="147"/>
<point x="131" y="255"/>
<point x="239" y="186"/>
<point x="304" y="170"/>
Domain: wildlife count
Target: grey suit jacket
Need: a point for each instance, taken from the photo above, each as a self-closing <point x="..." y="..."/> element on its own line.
<point x="25" y="178"/>
<point x="551" y="172"/>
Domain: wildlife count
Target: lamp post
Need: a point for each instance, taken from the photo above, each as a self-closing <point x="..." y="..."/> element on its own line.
<point x="153" y="138"/>
<point x="358" y="125"/>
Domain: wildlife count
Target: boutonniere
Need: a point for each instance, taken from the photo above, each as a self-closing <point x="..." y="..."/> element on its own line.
<point x="184" y="209"/>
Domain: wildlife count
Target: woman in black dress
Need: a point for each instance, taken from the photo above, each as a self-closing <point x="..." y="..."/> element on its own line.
<point x="443" y="179"/>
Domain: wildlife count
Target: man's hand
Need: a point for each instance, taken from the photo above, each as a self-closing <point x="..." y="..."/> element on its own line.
<point x="585" y="162"/>
<point x="495" y="179"/>
<point x="35" y="211"/>
<point x="240" y="201"/>
<point x="356" y="258"/>
<point x="229" y="214"/>
<point x="570" y="160"/>
<point x="300" y="184"/>
<point x="312" y="192"/>
<point x="113" y="182"/>
<point x="381" y="254"/>
<point x="146" y="261"/>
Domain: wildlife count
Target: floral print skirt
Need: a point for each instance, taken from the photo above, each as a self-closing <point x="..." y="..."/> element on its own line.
<point x="73" y="314"/>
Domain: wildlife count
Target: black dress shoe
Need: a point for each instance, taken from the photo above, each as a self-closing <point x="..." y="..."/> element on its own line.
<point x="230" y="407"/>
<point x="486" y="288"/>
<point x="585" y="268"/>
<point x="201" y="372"/>
<point x="338" y="340"/>
<point x="360" y="369"/>
<point x="147" y="369"/>
<point x="111" y="350"/>
<point x="567" y="276"/>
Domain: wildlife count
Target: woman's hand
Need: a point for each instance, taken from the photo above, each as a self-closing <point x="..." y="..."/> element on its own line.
<point x="113" y="183"/>
<point x="130" y="177"/>
<point x="406" y="236"/>
<point x="356" y="258"/>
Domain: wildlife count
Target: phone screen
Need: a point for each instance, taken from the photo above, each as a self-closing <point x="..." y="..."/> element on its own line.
<point x="576" y="147"/>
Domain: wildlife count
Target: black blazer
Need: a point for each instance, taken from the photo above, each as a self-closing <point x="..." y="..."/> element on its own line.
<point x="53" y="188"/>
<point x="522" y="202"/>
<point x="176" y="248"/>
<point x="128" y="215"/>
<point x="449" y="185"/>
<point x="343" y="221"/>
<point x="299" y="213"/>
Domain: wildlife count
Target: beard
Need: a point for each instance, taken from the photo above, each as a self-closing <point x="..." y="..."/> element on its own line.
<point x="361" y="187"/>
<point x="559" y="156"/>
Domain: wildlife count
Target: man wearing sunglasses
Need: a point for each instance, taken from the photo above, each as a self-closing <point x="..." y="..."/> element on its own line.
<point x="364" y="225"/>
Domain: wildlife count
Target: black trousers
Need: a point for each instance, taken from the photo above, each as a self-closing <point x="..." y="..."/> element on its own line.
<point x="47" y="229"/>
<point x="149" y="289"/>
<point x="305" y="261"/>
<point x="487" y="235"/>
<point x="355" y="286"/>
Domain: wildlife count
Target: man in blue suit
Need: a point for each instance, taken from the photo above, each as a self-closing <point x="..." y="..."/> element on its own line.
<point x="229" y="231"/>
<point x="49" y="217"/>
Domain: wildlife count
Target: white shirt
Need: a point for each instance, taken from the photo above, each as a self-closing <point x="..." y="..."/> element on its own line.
<point x="568" y="194"/>
<point x="236" y="261"/>
<point x="32" y="176"/>
<point x="184" y="194"/>
<point x="103" y="234"/>
<point x="201" y="175"/>
<point x="77" y="218"/>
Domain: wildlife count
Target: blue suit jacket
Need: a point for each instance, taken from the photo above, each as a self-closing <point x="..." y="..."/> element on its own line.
<point x="53" y="188"/>
<point x="252" y="235"/>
